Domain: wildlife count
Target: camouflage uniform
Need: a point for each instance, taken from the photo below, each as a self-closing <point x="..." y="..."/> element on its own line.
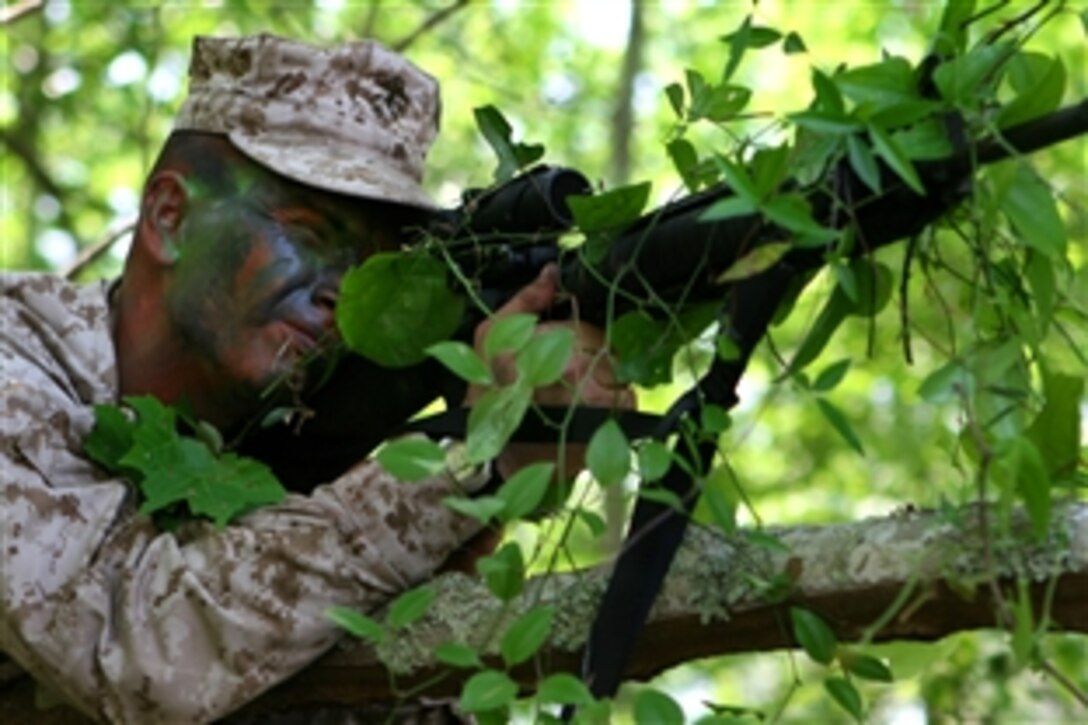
<point x="135" y="625"/>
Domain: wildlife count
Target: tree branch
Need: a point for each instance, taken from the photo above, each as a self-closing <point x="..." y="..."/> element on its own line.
<point x="623" y="111"/>
<point x="19" y="10"/>
<point x="851" y="574"/>
<point x="401" y="45"/>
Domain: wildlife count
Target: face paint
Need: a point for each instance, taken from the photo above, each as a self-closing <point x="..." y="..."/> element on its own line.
<point x="253" y="293"/>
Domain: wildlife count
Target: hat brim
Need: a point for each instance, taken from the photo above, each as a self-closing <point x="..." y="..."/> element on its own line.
<point x="350" y="170"/>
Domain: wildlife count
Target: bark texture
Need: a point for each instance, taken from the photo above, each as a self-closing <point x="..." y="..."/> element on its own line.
<point x="922" y="574"/>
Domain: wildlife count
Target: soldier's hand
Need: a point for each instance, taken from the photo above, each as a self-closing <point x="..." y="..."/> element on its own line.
<point x="589" y="378"/>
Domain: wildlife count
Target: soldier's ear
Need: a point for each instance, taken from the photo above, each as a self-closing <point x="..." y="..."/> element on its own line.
<point x="163" y="208"/>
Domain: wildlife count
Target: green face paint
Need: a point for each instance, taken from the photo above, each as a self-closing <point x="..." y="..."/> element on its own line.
<point x="252" y="295"/>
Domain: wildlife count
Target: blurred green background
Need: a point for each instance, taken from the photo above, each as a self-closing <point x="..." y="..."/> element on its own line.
<point x="87" y="97"/>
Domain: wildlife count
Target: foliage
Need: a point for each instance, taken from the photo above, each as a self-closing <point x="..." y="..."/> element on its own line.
<point x="178" y="474"/>
<point x="954" y="363"/>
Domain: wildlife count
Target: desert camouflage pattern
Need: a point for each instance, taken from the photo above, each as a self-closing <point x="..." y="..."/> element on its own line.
<point x="356" y="119"/>
<point x="135" y="625"/>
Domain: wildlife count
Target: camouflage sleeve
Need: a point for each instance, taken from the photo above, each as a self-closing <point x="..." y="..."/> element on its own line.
<point x="136" y="625"/>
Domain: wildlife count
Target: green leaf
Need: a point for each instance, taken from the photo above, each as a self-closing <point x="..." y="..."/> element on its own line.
<point x="846" y="280"/>
<point x="111" y="438"/>
<point x="846" y="695"/>
<point x="181" y="469"/>
<point x="874" y="289"/>
<point x="770" y="168"/>
<point x="456" y="654"/>
<point x="924" y="140"/>
<point x="523" y="492"/>
<point x="727" y="348"/>
<point x="487" y="691"/>
<point x="611" y="209"/>
<point x="738" y="179"/>
<point x="1023" y="631"/>
<point x="889" y="150"/>
<point x="879" y="86"/>
<point x="841" y="424"/>
<point x="831" y="316"/>
<point x="686" y="161"/>
<point x="412" y="459"/>
<point x="952" y="33"/>
<point x="714" y="419"/>
<point x="793" y="44"/>
<point x="509" y="333"/>
<point x="497" y="132"/>
<point x="755" y="262"/>
<point x="1039" y="272"/>
<point x="608" y="455"/>
<point x="481" y="508"/>
<point x="1039" y="82"/>
<point x="831" y="376"/>
<point x="544" y="358"/>
<point x="754" y="36"/>
<point x="411" y="606"/>
<point x="675" y="93"/>
<point x="904" y="115"/>
<point x="767" y="541"/>
<point x="653" y="707"/>
<point x="169" y="468"/>
<point x="866" y="667"/>
<point x="719" y="103"/>
<point x="874" y="282"/>
<point x="963" y="80"/>
<point x="462" y="360"/>
<point x="792" y="212"/>
<point x="718" y="502"/>
<point x="1055" y="431"/>
<point x="828" y="96"/>
<point x="745" y="37"/>
<point x="564" y="689"/>
<point x="863" y="163"/>
<point x="526" y="635"/>
<point x="1032" y="481"/>
<point x="395" y="306"/>
<point x="593" y="522"/>
<point x="654" y="460"/>
<point x="238" y="486"/>
<point x="503" y="571"/>
<point x="493" y="419"/>
<point x="945" y="383"/>
<point x="727" y="208"/>
<point x="209" y="435"/>
<point x="813" y="635"/>
<point x="356" y="623"/>
<point x="1029" y="204"/>
<point x="643" y="348"/>
<point x="663" y="496"/>
<point x="830" y="122"/>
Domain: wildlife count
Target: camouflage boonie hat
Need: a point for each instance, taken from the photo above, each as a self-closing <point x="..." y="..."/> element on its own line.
<point x="356" y="119"/>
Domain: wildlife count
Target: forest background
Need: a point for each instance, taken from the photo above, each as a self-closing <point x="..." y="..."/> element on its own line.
<point x="89" y="89"/>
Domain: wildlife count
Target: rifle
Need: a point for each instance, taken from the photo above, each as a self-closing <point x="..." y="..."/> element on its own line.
<point x="671" y="255"/>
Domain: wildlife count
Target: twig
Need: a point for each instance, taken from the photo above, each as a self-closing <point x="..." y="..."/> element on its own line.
<point x="904" y="299"/>
<point x="33" y="165"/>
<point x="96" y="250"/>
<point x="401" y="45"/>
<point x="1008" y="25"/>
<point x="13" y="12"/>
<point x="1064" y="681"/>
